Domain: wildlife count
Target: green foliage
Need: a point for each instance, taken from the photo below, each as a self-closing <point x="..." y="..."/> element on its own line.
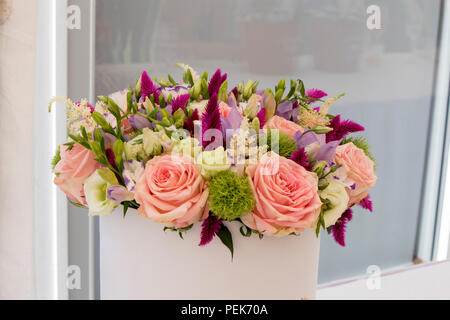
<point x="230" y="196"/>
<point x="281" y="144"/>
<point x="56" y="158"/>
<point x="225" y="236"/>
<point x="363" y="144"/>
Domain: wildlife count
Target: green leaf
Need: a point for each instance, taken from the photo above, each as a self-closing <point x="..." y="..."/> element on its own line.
<point x="301" y="87"/>
<point x="172" y="81"/>
<point x="125" y="210"/>
<point x="225" y="236"/>
<point x="245" y="231"/>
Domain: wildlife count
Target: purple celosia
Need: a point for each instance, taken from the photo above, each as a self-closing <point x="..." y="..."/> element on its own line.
<point x="235" y="92"/>
<point x="112" y="161"/>
<point x="261" y="117"/>
<point x="216" y="81"/>
<point x="366" y="203"/>
<point x="180" y="102"/>
<point x="210" y="227"/>
<point x="211" y="120"/>
<point x="342" y="128"/>
<point x="315" y="94"/>
<point x="189" y="123"/>
<point x="338" y="230"/>
<point x="301" y="158"/>
<point x="148" y="87"/>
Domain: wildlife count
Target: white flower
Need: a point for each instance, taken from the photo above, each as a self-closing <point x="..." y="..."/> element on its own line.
<point x="199" y="105"/>
<point x="95" y="189"/>
<point x="338" y="198"/>
<point x="212" y="162"/>
<point x="187" y="146"/>
<point x="144" y="146"/>
<point x="120" y="98"/>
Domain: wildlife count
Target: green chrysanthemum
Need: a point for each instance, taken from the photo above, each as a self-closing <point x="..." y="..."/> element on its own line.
<point x="281" y="143"/>
<point x="230" y="195"/>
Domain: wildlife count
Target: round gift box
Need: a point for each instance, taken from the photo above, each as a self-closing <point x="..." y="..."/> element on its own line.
<point x="140" y="261"/>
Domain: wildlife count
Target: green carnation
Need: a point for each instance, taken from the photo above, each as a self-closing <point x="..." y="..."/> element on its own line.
<point x="230" y="195"/>
<point x="281" y="143"/>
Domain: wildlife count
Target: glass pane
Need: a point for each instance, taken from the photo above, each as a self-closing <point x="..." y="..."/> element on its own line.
<point x="387" y="75"/>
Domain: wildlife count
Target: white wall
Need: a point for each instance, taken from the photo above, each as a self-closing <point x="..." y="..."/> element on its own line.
<point x="17" y="56"/>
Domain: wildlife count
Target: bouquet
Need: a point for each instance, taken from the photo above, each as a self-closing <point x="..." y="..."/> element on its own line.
<point x="198" y="151"/>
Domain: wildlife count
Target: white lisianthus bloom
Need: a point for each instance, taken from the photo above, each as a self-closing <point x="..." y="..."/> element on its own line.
<point x="152" y="145"/>
<point x="96" y="191"/>
<point x="337" y="196"/>
<point x="143" y="146"/>
<point x="188" y="146"/>
<point x="212" y="162"/>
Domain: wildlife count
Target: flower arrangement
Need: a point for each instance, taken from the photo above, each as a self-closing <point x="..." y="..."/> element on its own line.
<point x="196" y="151"/>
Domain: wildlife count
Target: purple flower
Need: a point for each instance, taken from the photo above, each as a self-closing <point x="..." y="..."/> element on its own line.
<point x="112" y="161"/>
<point x="211" y="120"/>
<point x="326" y="151"/>
<point x="339" y="229"/>
<point x="189" y="123"/>
<point x="148" y="88"/>
<point x="342" y="128"/>
<point x="180" y="102"/>
<point x="301" y="158"/>
<point x="315" y="94"/>
<point x="210" y="227"/>
<point x="119" y="194"/>
<point x="285" y="110"/>
<point x="216" y="81"/>
<point x="261" y="117"/>
<point x="366" y="203"/>
<point x="139" y="122"/>
<point x="132" y="171"/>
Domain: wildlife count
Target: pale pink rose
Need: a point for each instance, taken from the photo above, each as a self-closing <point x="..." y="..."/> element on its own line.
<point x="73" y="169"/>
<point x="286" y="201"/>
<point x="287" y="127"/>
<point x="359" y="169"/>
<point x="224" y="109"/>
<point x="172" y="191"/>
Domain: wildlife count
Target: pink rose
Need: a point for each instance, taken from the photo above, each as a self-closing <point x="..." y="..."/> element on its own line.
<point x="287" y="127"/>
<point x="73" y="169"/>
<point x="172" y="191"/>
<point x="286" y="201"/>
<point x="359" y="170"/>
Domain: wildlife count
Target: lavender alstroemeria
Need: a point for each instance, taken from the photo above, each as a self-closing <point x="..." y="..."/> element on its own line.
<point x="119" y="194"/>
<point x="132" y="172"/>
<point x="231" y="123"/>
<point x="139" y="122"/>
<point x="325" y="152"/>
<point x="108" y="138"/>
<point x="175" y="91"/>
<point x="285" y="109"/>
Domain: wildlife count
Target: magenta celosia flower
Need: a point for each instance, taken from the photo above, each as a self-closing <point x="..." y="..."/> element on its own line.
<point x="180" y="102"/>
<point x="315" y="94"/>
<point x="338" y="230"/>
<point x="189" y="123"/>
<point x="210" y="227"/>
<point x="261" y="117"/>
<point x="366" y="203"/>
<point x="148" y="87"/>
<point x="216" y="81"/>
<point x="301" y="158"/>
<point x="211" y="120"/>
<point x="342" y="128"/>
